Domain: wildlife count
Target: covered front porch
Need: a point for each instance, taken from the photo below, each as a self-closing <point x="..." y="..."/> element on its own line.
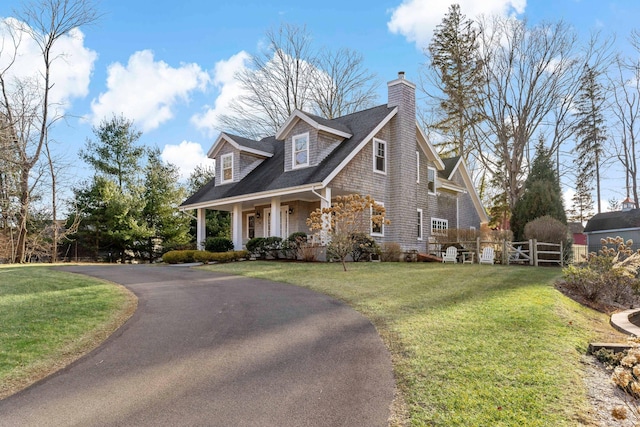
<point x="266" y="215"/>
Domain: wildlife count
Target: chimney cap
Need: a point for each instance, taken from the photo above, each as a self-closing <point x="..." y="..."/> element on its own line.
<point x="401" y="74"/>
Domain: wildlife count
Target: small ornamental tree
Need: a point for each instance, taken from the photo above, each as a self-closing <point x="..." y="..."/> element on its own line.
<point x="343" y="222"/>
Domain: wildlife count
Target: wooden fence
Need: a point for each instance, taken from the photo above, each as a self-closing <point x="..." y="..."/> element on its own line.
<point x="528" y="252"/>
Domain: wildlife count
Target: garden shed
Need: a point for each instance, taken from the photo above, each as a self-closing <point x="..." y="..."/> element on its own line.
<point x="624" y="223"/>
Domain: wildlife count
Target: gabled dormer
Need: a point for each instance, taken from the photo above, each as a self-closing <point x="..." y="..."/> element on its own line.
<point x="236" y="156"/>
<point x="308" y="139"/>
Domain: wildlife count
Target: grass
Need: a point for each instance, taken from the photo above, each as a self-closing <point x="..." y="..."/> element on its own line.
<point x="49" y="318"/>
<point x="471" y="345"/>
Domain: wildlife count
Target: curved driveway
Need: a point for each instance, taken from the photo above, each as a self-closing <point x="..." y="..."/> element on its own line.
<point x="210" y="349"/>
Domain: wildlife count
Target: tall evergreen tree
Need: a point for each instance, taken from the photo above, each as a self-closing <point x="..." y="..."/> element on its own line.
<point x="167" y="227"/>
<point x="458" y="75"/>
<point x="590" y="129"/>
<point x="115" y="154"/>
<point x="542" y="194"/>
<point x="218" y="223"/>
<point x="582" y="208"/>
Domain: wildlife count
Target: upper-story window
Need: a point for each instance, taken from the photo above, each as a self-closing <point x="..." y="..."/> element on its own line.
<point x="226" y="161"/>
<point x="417" y="167"/>
<point x="379" y="156"/>
<point x="431" y="178"/>
<point x="300" y="145"/>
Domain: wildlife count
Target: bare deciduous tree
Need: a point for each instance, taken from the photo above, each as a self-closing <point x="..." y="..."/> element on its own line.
<point x="25" y="104"/>
<point x="528" y="73"/>
<point x="626" y="109"/>
<point x="288" y="75"/>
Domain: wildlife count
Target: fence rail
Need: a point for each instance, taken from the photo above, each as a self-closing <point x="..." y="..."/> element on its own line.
<point x="527" y="252"/>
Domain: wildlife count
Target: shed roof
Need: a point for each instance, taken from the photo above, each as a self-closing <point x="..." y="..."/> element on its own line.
<point x="618" y="220"/>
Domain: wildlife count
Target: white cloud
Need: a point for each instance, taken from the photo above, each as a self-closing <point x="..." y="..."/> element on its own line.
<point x="146" y="90"/>
<point x="71" y="66"/>
<point x="228" y="87"/>
<point x="567" y="198"/>
<point x="186" y="156"/>
<point x="416" y="19"/>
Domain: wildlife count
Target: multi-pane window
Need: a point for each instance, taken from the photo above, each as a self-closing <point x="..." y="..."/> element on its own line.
<point x="251" y="226"/>
<point x="377" y="227"/>
<point x="417" y="167"/>
<point x="301" y="150"/>
<point x="439" y="226"/>
<point x="379" y="156"/>
<point x="227" y="167"/>
<point x="419" y="224"/>
<point x="431" y="178"/>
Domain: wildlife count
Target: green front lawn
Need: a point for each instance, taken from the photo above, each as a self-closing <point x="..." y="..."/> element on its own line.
<point x="49" y="318"/>
<point x="471" y="345"/>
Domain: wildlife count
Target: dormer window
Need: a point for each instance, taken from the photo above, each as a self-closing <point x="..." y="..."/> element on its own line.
<point x="379" y="156"/>
<point x="300" y="150"/>
<point x="226" y="161"/>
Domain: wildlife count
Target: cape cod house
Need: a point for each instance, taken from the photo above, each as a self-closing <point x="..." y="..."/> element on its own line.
<point x="271" y="186"/>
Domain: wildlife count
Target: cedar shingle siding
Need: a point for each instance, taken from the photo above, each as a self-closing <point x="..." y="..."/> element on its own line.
<point x="263" y="173"/>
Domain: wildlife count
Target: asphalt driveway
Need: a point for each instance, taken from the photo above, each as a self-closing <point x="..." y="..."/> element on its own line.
<point x="210" y="349"/>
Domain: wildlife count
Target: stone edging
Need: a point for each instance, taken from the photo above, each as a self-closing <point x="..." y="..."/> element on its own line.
<point x="621" y="322"/>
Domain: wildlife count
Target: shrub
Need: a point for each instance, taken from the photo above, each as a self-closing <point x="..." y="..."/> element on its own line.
<point x="363" y="246"/>
<point x="255" y="247"/>
<point x="390" y="252"/>
<point x="546" y="229"/>
<point x="181" y="257"/>
<point x="273" y="246"/>
<point x="549" y="230"/>
<point x="610" y="276"/>
<point x="218" y="244"/>
<point x="291" y="246"/>
<point x="310" y="252"/>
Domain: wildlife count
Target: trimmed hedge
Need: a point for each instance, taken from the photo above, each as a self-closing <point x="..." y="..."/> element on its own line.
<point x="183" y="257"/>
<point x="218" y="244"/>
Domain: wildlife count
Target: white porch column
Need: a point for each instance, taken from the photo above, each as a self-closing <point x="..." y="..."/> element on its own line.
<point x="275" y="217"/>
<point x="325" y="202"/>
<point x="201" y="228"/>
<point x="236" y="226"/>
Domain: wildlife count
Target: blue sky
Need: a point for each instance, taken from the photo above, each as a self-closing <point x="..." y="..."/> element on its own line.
<point x="169" y="65"/>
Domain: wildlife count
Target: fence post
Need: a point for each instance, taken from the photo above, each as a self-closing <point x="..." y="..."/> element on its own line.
<point x="478" y="249"/>
<point x="561" y="255"/>
<point x="505" y="257"/>
<point x="533" y="244"/>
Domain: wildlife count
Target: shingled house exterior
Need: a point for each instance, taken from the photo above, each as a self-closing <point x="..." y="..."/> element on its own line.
<point x="272" y="185"/>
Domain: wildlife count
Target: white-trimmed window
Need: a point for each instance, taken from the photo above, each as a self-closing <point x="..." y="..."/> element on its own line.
<point x="376" y="229"/>
<point x="419" y="224"/>
<point x="439" y="226"/>
<point x="251" y="226"/>
<point x="379" y="156"/>
<point x="417" y="167"/>
<point x="226" y="161"/>
<point x="300" y="150"/>
<point x="431" y="180"/>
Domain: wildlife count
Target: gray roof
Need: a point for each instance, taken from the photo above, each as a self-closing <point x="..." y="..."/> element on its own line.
<point x="333" y="124"/>
<point x="270" y="174"/>
<point x="250" y="143"/>
<point x="449" y="164"/>
<point x="614" y="221"/>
